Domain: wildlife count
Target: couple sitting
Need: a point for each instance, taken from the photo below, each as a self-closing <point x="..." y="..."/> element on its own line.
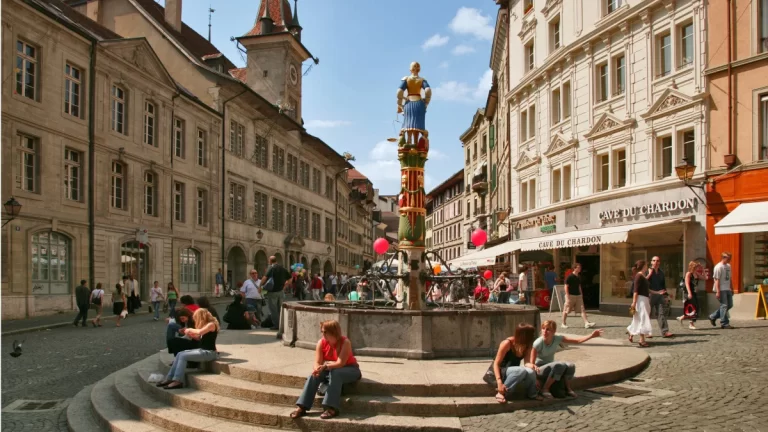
<point x="539" y="362"/>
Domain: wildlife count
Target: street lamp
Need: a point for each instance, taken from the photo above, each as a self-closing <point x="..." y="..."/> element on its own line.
<point x="12" y="209"/>
<point x="328" y="250"/>
<point x="685" y="173"/>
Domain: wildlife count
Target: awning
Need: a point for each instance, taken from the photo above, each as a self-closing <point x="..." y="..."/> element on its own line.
<point x="588" y="237"/>
<point x="485" y="257"/>
<point x="747" y="217"/>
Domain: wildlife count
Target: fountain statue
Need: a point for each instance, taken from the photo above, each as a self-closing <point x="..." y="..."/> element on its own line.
<point x="412" y="150"/>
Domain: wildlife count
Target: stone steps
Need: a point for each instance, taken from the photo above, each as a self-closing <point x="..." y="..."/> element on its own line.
<point x="79" y="414"/>
<point x="109" y="411"/>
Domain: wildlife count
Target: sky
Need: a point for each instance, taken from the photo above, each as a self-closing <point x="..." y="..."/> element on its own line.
<point x="365" y="48"/>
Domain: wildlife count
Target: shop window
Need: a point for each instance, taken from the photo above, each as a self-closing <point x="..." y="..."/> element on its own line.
<point x="190" y="270"/>
<point x="754" y="259"/>
<point x="51" y="272"/>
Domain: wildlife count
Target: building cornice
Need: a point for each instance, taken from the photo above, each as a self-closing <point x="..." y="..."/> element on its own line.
<point x="737" y="63"/>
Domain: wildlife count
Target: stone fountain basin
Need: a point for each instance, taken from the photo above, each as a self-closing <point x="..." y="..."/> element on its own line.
<point x="425" y="334"/>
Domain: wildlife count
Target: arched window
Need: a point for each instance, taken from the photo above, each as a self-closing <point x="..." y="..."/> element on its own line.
<point x="190" y="270"/>
<point x="50" y="263"/>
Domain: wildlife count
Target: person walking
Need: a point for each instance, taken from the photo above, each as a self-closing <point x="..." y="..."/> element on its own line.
<point x="219" y="287"/>
<point x="522" y="283"/>
<point x="173" y="295"/>
<point x="641" y="305"/>
<point x="723" y="291"/>
<point x="574" y="297"/>
<point x="97" y="299"/>
<point x="501" y="285"/>
<point x="250" y="290"/>
<point x="551" y="278"/>
<point x="316" y="287"/>
<point x="334" y="281"/>
<point x="690" y="300"/>
<point x="156" y="297"/>
<point x="118" y="303"/>
<point x="659" y="296"/>
<point x="275" y="295"/>
<point x="83" y="301"/>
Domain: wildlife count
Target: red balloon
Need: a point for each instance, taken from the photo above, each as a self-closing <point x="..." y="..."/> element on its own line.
<point x="479" y="237"/>
<point x="488" y="274"/>
<point x="380" y="246"/>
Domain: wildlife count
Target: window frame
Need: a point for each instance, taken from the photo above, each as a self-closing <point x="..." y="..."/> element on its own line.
<point x="150" y="124"/>
<point x="660" y="150"/>
<point x="179" y="202"/>
<point x="261" y="151"/>
<point x="236" y="201"/>
<point x="149" y="201"/>
<point x="179" y="138"/>
<point x="528" y="199"/>
<point x="602" y="81"/>
<point x="201" y="207"/>
<point x="555" y="34"/>
<point x="71" y="81"/>
<point x="202" y="148"/>
<point x="762" y="126"/>
<point x="660" y="50"/>
<point x="619" y="166"/>
<point x="118" y="186"/>
<point x="260" y="208"/>
<point x="21" y="74"/>
<point x="73" y="169"/>
<point x="619" y="78"/>
<point x="682" y="62"/>
<point x="28" y="159"/>
<point x="278" y="215"/>
<point x="236" y="138"/>
<point x="529" y="55"/>
<point x="119" y="117"/>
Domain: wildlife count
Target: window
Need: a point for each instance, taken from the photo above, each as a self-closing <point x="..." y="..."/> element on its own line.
<point x="304" y="174"/>
<point x="178" y="201"/>
<point x="528" y="195"/>
<point x="611" y="5"/>
<point x="291" y="218"/>
<point x="469" y="209"/>
<point x="260" y="151"/>
<point x="178" y="137"/>
<point x="603" y="177"/>
<point x="554" y="34"/>
<point x="686" y="44"/>
<point x="202" y="148"/>
<point x="278" y="215"/>
<point x="72" y="86"/>
<point x="665" y="157"/>
<point x="293" y="168"/>
<point x="329" y="187"/>
<point x="328" y="230"/>
<point x="566" y="92"/>
<point x="150" y="193"/>
<point x="619" y="75"/>
<point x="316" y="180"/>
<point x="484" y="148"/>
<point x="315" y="226"/>
<point x="28" y="163"/>
<point x="620" y="172"/>
<point x="663" y="55"/>
<point x="190" y="270"/>
<point x="26" y="70"/>
<point x="566" y="182"/>
<point x="304" y="223"/>
<point x="117" y="188"/>
<point x="72" y="174"/>
<point x="763" y="24"/>
<point x="527" y="124"/>
<point x="474" y="144"/>
<point x="50" y="259"/>
<point x="602" y="82"/>
<point x="236" y="137"/>
<point x="527" y="6"/>
<point x="556" y="106"/>
<point x="260" y="208"/>
<point x="118" y="110"/>
<point x="530" y="57"/>
<point x="278" y="161"/>
<point x="763" y="113"/>
<point x="469" y="151"/>
<point x="531" y="122"/>
<point x="149" y="124"/>
<point x="236" y="202"/>
<point x="689" y="146"/>
<point x="202" y="203"/>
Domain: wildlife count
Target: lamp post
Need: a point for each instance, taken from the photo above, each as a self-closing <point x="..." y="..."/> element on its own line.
<point x="685" y="173"/>
<point x="12" y="209"/>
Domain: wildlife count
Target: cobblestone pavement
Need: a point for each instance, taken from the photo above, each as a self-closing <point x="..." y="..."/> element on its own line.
<point x="704" y="380"/>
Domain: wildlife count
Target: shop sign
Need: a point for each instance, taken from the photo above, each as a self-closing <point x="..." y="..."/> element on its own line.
<point x="470" y="245"/>
<point x="571" y="242"/>
<point x="649" y="210"/>
<point x="548" y="229"/>
<point x="537" y="221"/>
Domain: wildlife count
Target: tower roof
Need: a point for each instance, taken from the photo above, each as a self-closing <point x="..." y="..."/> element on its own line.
<point x="279" y="11"/>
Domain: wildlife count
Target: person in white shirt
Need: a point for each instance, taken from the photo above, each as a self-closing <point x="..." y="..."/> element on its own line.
<point x="334" y="284"/>
<point x="252" y="294"/>
<point x="156" y="296"/>
<point x="522" y="283"/>
<point x="723" y="291"/>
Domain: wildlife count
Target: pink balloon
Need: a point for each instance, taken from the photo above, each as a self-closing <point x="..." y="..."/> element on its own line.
<point x="479" y="237"/>
<point x="488" y="274"/>
<point x="380" y="246"/>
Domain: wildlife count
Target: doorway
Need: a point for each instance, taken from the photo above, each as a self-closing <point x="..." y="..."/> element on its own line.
<point x="236" y="266"/>
<point x="134" y="260"/>
<point x="590" y="279"/>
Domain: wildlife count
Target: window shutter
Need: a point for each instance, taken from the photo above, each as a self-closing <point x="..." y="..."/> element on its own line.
<point x="492" y="133"/>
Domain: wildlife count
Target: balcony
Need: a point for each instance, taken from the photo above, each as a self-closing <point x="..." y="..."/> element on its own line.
<point x="480" y="185"/>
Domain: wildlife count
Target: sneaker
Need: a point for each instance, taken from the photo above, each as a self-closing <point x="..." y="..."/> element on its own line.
<point x="589" y="325"/>
<point x="727" y="326"/>
<point x="155" y="318"/>
<point x="253" y="327"/>
<point x="563" y="326"/>
<point x="713" y="322"/>
<point x="691" y="327"/>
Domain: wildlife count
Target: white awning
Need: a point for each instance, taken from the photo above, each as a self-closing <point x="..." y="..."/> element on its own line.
<point x="588" y="237"/>
<point x="485" y="257"/>
<point x="747" y="217"/>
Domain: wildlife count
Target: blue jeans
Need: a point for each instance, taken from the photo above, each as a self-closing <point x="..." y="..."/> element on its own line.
<point x="557" y="370"/>
<point x="275" y="303"/>
<point x="179" y="366"/>
<point x="516" y="375"/>
<point x="172" y="308"/>
<point x="335" y="378"/>
<point x="156" y="307"/>
<point x="726" y="303"/>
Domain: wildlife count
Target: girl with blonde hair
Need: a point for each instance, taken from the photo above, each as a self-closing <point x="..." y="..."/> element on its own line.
<point x="206" y="329"/>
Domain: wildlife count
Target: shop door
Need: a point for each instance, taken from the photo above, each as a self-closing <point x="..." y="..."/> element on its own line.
<point x="590" y="279"/>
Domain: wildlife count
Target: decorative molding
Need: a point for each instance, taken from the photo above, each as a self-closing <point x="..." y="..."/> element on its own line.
<point x="525" y="161"/>
<point x="645" y="17"/>
<point x="559" y="144"/>
<point x="672" y="100"/>
<point x="608" y="124"/>
<point x="550" y="7"/>
<point x="527" y="28"/>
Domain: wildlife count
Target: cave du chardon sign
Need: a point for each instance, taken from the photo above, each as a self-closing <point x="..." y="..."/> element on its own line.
<point x="682" y="205"/>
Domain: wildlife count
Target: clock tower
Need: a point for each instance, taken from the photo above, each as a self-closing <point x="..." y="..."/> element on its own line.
<point x="275" y="55"/>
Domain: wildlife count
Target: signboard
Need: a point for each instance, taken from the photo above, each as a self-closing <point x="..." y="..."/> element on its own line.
<point x="537" y="221"/>
<point x="558" y="297"/>
<point x="471" y="245"/>
<point x="548" y="229"/>
<point x="681" y="205"/>
<point x="761" y="311"/>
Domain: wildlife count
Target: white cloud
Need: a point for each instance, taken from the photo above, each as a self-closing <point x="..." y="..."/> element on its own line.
<point x="435" y="41"/>
<point x="384" y="150"/>
<point x="463" y="49"/>
<point x="435" y="154"/>
<point x="326" y="124"/>
<point x="444" y="65"/>
<point x="469" y="21"/>
<point x="462" y="92"/>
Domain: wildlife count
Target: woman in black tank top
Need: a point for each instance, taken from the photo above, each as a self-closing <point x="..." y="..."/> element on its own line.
<point x="206" y="330"/>
<point x="690" y="301"/>
<point x="506" y="367"/>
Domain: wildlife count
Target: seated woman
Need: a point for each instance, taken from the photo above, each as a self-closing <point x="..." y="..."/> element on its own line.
<point x="203" y="302"/>
<point x="334" y="363"/>
<point x="236" y="315"/>
<point x="176" y="328"/>
<point x="188" y="302"/>
<point x="205" y="332"/>
<point x="544" y="349"/>
<point x="506" y="367"/>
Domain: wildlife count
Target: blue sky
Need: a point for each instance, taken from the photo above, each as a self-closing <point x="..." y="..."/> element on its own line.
<point x="365" y="47"/>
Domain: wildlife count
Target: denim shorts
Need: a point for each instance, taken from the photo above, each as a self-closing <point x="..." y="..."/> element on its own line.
<point x="252" y="304"/>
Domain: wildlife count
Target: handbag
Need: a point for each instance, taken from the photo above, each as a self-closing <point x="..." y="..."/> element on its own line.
<point x="269" y="285"/>
<point x="490" y="376"/>
<point x="165" y="307"/>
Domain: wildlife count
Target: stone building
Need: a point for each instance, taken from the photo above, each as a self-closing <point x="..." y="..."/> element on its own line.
<point x="444" y="221"/>
<point x="477" y="206"/>
<point x="354" y="237"/>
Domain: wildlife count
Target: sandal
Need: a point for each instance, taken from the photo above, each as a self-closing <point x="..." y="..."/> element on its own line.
<point x="299" y="412"/>
<point x="630" y="339"/>
<point x="643" y="345"/>
<point x="571" y="393"/>
<point x="538" y="398"/>
<point x="163" y="383"/>
<point x="174" y="386"/>
<point x="547" y="395"/>
<point x="329" y="413"/>
<point x="500" y="398"/>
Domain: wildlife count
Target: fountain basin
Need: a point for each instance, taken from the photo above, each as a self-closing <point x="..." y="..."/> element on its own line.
<point x="425" y="334"/>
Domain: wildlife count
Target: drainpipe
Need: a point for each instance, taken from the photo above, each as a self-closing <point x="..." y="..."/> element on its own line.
<point x="92" y="164"/>
<point x="224" y="174"/>
<point x="172" y="212"/>
<point x="730" y="159"/>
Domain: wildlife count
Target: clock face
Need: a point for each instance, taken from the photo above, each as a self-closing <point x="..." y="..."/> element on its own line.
<point x="293" y="74"/>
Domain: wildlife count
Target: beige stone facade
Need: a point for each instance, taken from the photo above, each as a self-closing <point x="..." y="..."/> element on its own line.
<point x="476" y="172"/>
<point x="445" y="216"/>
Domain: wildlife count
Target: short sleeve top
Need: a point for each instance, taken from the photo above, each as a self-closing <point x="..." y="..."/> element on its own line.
<point x="573" y="282"/>
<point x="546" y="353"/>
<point x="642" y="286"/>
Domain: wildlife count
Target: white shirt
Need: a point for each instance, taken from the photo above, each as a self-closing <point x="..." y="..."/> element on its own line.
<point x="250" y="289"/>
<point x="522" y="282"/>
<point x="333" y="280"/>
<point x="156" y="294"/>
<point x="723" y="274"/>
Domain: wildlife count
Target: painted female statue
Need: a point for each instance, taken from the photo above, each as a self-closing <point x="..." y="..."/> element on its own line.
<point x="414" y="107"/>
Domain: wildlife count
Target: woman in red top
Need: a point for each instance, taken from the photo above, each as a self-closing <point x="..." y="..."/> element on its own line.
<point x="482" y="293"/>
<point x="334" y="364"/>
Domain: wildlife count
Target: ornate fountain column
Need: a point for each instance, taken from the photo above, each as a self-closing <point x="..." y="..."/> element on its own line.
<point x="412" y="150"/>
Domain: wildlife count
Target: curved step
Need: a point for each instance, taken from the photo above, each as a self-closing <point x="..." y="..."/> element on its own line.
<point x="226" y="407"/>
<point x="79" y="414"/>
<point x="109" y="411"/>
<point x="435" y="406"/>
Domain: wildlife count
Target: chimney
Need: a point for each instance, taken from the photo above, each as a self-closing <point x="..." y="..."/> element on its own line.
<point x="173" y="14"/>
